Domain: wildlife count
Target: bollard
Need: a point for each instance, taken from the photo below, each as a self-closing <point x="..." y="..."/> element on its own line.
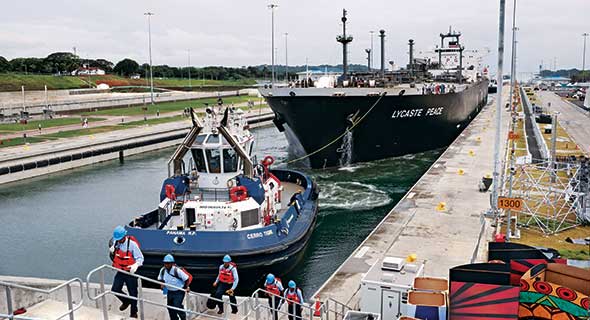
<point x="121" y="156"/>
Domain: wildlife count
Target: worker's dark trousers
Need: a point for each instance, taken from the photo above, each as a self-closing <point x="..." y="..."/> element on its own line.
<point x="221" y="289"/>
<point x="131" y="283"/>
<point x="274" y="307"/>
<point x="296" y="312"/>
<point x="175" y="299"/>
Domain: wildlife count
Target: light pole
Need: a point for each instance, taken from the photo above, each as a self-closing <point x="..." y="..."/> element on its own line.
<point x="189" y="69"/>
<point x="370" y="65"/>
<point x="149" y="16"/>
<point x="585" y="35"/>
<point x="272" y="13"/>
<point x="286" y="59"/>
<point x="499" y="110"/>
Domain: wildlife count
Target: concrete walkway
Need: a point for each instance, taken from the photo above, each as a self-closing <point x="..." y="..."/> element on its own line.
<point x="572" y="118"/>
<point x="440" y="218"/>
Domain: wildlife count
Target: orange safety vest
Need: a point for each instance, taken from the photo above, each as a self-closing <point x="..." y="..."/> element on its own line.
<point x="273" y="287"/>
<point x="226" y="275"/>
<point x="124" y="259"/>
<point x="292" y="296"/>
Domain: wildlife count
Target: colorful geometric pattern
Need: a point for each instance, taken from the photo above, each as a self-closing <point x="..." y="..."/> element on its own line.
<point x="519" y="267"/>
<point x="472" y="301"/>
<point x="545" y="300"/>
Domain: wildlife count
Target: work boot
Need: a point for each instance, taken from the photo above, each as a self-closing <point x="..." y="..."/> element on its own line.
<point x="124" y="306"/>
<point x="133" y="315"/>
<point x="220" y="311"/>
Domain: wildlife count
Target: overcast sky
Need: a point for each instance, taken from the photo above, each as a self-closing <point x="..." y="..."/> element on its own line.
<point x="237" y="32"/>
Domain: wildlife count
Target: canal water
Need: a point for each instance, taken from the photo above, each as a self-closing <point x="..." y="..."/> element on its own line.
<point x="58" y="226"/>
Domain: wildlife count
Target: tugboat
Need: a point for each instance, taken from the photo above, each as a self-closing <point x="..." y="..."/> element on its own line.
<point x="217" y="201"/>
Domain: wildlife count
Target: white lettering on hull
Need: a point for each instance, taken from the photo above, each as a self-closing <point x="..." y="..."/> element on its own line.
<point x="413" y="113"/>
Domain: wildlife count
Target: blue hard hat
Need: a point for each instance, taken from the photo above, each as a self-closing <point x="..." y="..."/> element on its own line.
<point x="168" y="259"/>
<point x="119" y="233"/>
<point x="226" y="258"/>
<point x="270" y="278"/>
<point x="292" y="284"/>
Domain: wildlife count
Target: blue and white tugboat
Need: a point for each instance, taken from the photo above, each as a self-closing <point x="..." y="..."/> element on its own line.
<point x="217" y="201"/>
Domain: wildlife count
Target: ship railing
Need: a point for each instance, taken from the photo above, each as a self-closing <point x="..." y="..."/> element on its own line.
<point x="335" y="309"/>
<point x="72" y="307"/>
<point x="199" y="298"/>
<point x="307" y="311"/>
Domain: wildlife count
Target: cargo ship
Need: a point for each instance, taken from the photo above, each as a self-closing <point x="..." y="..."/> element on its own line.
<point x="360" y="117"/>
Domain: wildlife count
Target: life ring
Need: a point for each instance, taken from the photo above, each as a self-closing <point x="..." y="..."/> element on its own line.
<point x="268" y="160"/>
<point x="238" y="193"/>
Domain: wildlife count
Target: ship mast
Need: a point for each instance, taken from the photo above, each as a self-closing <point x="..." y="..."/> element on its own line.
<point x="344" y="39"/>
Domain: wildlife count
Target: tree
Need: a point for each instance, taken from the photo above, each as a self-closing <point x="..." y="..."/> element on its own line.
<point x="4" y="65"/>
<point x="59" y="62"/>
<point x="126" y="67"/>
<point x="103" y="64"/>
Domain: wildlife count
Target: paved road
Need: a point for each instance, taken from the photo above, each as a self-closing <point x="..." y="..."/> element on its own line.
<point x="575" y="120"/>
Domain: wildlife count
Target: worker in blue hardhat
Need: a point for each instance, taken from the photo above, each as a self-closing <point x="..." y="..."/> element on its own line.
<point x="175" y="277"/>
<point x="274" y="288"/>
<point x="126" y="257"/>
<point x="294" y="299"/>
<point x="226" y="283"/>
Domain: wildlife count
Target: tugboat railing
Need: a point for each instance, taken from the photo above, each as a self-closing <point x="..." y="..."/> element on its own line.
<point x="72" y="307"/>
<point x="141" y="300"/>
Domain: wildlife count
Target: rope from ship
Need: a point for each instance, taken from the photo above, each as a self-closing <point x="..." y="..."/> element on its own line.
<point x="343" y="133"/>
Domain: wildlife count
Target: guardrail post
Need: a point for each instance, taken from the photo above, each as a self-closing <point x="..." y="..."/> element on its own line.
<point x="103" y="299"/>
<point x="70" y="304"/>
<point x="9" y="302"/>
<point x="257" y="305"/>
<point x="140" y="299"/>
<point x="225" y="308"/>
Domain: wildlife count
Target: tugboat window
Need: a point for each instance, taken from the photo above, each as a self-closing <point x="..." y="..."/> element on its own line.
<point x="214" y="159"/>
<point x="200" y="139"/>
<point x="213" y="139"/>
<point x="230" y="160"/>
<point x="199" y="160"/>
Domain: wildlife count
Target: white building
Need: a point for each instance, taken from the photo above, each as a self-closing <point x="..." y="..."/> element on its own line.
<point x="88" y="71"/>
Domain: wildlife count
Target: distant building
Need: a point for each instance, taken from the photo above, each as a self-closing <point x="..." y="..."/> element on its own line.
<point x="88" y="71"/>
<point x="135" y="76"/>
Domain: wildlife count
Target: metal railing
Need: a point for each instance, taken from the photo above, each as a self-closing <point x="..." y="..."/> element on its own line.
<point x="141" y="301"/>
<point x="72" y="307"/>
<point x="258" y="306"/>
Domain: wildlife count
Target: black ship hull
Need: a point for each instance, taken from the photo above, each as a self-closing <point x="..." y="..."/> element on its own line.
<point x="336" y="127"/>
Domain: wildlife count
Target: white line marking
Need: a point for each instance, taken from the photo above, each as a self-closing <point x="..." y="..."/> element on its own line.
<point x="361" y="252"/>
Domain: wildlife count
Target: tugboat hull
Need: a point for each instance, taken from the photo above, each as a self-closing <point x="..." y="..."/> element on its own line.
<point x="275" y="247"/>
<point x="316" y="121"/>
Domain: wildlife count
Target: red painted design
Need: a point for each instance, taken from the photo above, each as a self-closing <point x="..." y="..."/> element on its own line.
<point x="566" y="294"/>
<point x="542" y="287"/>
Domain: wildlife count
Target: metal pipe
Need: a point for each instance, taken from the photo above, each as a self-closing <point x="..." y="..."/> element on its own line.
<point x="498" y="108"/>
<point x="286" y="58"/>
<point x="382" y="36"/>
<point x="585" y="35"/>
<point x="411" y="64"/>
<point x="372" y="59"/>
<point x="369" y="52"/>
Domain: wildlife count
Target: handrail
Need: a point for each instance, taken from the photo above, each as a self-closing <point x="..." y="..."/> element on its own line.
<point x="141" y="300"/>
<point x="273" y="308"/>
<point x="71" y="306"/>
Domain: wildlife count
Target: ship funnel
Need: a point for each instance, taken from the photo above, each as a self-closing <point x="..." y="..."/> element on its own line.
<point x="382" y="36"/>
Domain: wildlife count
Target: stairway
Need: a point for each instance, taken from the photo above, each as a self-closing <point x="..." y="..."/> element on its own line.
<point x="51" y="309"/>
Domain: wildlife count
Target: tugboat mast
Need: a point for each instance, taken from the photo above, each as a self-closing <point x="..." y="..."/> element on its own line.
<point x="344" y="39"/>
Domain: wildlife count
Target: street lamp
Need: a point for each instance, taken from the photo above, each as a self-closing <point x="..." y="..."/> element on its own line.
<point x="272" y="12"/>
<point x="286" y="59"/>
<point x="149" y="16"/>
<point x="585" y="35"/>
<point x="189" y="69"/>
